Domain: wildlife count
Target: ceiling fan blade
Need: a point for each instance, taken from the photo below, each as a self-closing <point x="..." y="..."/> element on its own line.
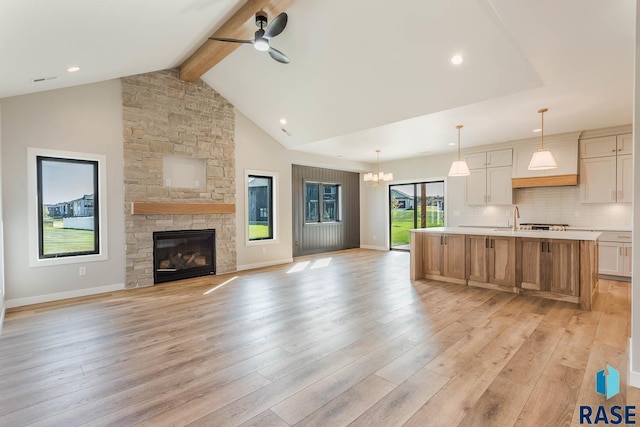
<point x="276" y="26"/>
<point x="223" y="39"/>
<point x="278" y="56"/>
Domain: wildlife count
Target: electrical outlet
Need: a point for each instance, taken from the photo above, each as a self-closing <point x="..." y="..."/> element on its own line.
<point x="167" y="181"/>
<point x="196" y="183"/>
<point x="82" y="271"/>
<point x="577" y="213"/>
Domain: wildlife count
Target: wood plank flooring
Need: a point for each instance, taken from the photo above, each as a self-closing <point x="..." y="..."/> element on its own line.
<point x="336" y="339"/>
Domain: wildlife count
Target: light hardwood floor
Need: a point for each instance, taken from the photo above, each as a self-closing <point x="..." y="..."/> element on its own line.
<point x="334" y="339"/>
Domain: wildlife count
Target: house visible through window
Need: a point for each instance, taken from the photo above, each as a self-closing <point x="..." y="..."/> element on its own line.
<point x="260" y="207"/>
<point x="325" y="208"/>
<point x="68" y="214"/>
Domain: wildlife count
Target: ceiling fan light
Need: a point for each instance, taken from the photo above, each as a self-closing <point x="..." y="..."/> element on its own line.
<point x="542" y="160"/>
<point x="459" y="168"/>
<point x="261" y="44"/>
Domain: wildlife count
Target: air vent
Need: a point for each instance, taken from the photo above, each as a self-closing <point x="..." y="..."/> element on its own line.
<point x="285" y="131"/>
<point x="43" y="79"/>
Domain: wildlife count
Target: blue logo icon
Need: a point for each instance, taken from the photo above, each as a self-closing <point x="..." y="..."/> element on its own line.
<point x="608" y="384"/>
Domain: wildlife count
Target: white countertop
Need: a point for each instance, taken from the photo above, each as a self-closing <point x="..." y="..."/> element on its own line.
<point x="537" y="234"/>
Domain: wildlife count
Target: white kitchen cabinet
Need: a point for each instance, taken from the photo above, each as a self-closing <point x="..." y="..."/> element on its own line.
<point x="606" y="169"/>
<point x="598" y="180"/>
<point x="624" y="178"/>
<point x="624" y="144"/>
<point x="615" y="254"/>
<point x="490" y="180"/>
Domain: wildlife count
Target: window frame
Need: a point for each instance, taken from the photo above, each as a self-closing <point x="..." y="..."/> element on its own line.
<point x="274" y="176"/>
<point x="320" y="207"/>
<point x="35" y="214"/>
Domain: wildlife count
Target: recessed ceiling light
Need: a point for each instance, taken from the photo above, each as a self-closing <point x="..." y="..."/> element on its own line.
<point x="283" y="121"/>
<point x="73" y="69"/>
<point x="537" y="130"/>
<point x="457" y="59"/>
<point x="452" y="143"/>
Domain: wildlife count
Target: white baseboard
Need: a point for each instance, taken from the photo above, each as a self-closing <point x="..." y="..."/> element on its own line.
<point x="377" y="248"/>
<point x="19" y="302"/>
<point x="634" y="376"/>
<point x="263" y="264"/>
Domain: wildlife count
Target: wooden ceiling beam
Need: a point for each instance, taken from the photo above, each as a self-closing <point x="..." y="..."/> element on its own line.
<point x="241" y="25"/>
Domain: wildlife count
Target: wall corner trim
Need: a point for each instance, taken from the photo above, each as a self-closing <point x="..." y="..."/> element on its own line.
<point x="19" y="302"/>
<point x="634" y="376"/>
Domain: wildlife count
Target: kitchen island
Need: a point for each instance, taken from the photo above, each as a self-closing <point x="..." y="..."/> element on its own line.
<point x="561" y="265"/>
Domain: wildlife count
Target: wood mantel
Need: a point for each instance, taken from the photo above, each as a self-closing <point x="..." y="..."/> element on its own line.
<point x="165" y="208"/>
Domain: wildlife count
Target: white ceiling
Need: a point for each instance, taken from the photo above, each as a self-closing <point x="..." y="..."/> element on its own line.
<point x="363" y="75"/>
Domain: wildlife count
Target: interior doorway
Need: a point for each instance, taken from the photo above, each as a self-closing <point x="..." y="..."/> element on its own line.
<point x="415" y="205"/>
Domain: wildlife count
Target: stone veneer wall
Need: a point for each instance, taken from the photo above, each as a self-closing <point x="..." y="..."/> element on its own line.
<point x="163" y="115"/>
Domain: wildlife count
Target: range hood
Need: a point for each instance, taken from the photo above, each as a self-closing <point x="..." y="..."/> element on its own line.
<point x="564" y="148"/>
<point x="545" y="181"/>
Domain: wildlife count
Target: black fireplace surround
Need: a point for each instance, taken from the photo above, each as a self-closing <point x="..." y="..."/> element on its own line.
<point x="183" y="254"/>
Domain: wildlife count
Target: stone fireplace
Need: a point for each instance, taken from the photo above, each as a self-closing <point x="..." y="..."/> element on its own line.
<point x="166" y="117"/>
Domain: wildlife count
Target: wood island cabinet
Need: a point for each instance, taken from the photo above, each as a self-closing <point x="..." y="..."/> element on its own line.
<point x="555" y="267"/>
<point x="491" y="261"/>
<point x="550" y="265"/>
<point x="441" y="256"/>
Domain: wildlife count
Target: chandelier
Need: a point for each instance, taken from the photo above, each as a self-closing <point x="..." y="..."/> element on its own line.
<point x="378" y="178"/>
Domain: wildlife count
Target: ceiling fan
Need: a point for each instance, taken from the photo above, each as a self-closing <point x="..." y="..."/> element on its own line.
<point x="263" y="35"/>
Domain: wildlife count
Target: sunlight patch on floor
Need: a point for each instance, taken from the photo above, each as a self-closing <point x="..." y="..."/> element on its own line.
<point x="220" y="285"/>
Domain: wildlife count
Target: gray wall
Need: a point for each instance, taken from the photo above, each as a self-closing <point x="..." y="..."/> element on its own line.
<point x="316" y="238"/>
<point x="80" y="119"/>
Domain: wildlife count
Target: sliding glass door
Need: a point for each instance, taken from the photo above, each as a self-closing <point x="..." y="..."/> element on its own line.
<point x="416" y="205"/>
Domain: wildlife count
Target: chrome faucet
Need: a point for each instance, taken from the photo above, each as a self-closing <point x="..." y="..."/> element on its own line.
<point x="516" y="215"/>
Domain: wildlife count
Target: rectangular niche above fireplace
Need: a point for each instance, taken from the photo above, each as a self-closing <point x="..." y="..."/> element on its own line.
<point x="183" y="254"/>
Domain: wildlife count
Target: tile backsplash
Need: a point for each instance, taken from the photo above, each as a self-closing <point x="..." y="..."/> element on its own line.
<point x="558" y="205"/>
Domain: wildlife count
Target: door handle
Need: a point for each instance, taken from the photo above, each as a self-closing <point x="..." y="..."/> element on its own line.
<point x="486" y="243"/>
<point x="621" y="253"/>
<point x="441" y="240"/>
<point x="541" y="246"/>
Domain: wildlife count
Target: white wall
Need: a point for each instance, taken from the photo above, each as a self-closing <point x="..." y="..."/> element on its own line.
<point x="2" y="289"/>
<point x="634" y="345"/>
<point x="82" y="119"/>
<point x="257" y="151"/>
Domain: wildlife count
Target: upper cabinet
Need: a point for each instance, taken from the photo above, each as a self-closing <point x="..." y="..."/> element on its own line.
<point x="490" y="179"/>
<point x="606" y="169"/>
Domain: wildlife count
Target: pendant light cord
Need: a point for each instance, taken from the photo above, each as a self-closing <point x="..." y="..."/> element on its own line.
<point x="542" y="111"/>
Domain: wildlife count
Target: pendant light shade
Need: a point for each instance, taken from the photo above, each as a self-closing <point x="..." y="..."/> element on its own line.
<point x="459" y="167"/>
<point x="542" y="159"/>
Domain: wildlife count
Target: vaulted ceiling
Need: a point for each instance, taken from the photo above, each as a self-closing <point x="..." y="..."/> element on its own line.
<point x="364" y="74"/>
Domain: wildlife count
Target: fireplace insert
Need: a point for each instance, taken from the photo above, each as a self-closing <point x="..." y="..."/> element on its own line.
<point x="183" y="254"/>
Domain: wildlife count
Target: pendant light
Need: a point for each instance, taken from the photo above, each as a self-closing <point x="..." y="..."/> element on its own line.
<point x="542" y="159"/>
<point x="378" y="178"/>
<point x="459" y="167"/>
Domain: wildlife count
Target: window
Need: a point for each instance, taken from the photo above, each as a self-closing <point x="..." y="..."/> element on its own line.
<point x="325" y="208"/>
<point x="260" y="207"/>
<point x="67" y="215"/>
